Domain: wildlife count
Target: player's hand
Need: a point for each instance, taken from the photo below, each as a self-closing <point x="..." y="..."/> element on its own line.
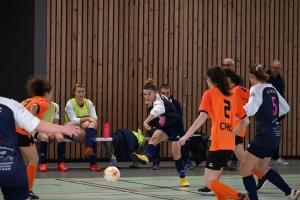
<point x="147" y="127"/>
<point x="70" y="129"/>
<point x="181" y="141"/>
<point x="51" y="136"/>
<point x="93" y="120"/>
<point x="148" y="103"/>
<point x="85" y="125"/>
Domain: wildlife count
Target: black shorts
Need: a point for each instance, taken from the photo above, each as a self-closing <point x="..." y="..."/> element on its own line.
<point x="24" y="140"/>
<point x="217" y="159"/>
<point x="15" y="192"/>
<point x="239" y="140"/>
<point x="259" y="151"/>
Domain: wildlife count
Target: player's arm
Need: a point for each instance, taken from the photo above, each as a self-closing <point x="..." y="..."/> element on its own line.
<point x="254" y="101"/>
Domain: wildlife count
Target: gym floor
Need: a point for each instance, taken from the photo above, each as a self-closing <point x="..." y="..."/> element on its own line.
<point x="143" y="183"/>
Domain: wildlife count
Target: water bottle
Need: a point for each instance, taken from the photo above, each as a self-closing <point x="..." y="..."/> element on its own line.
<point x="106" y="130"/>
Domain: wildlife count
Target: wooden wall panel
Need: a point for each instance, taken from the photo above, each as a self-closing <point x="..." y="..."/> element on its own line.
<point x="113" y="46"/>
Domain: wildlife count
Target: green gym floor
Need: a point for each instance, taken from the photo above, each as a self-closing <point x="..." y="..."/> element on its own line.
<point x="143" y="183"/>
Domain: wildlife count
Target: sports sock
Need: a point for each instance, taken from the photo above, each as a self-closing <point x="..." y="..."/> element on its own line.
<point x="90" y="136"/>
<point x="256" y="173"/>
<point x="180" y="168"/>
<point x="61" y="151"/>
<point x="150" y="150"/>
<point x="43" y="152"/>
<point x="156" y="155"/>
<point x="220" y="196"/>
<point x="277" y="180"/>
<point x="250" y="186"/>
<point x="223" y="189"/>
<point x="31" y="172"/>
<point x="93" y="158"/>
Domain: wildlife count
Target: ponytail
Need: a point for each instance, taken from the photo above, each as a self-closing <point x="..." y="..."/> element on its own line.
<point x="236" y="79"/>
<point x="219" y="79"/>
<point x="259" y="72"/>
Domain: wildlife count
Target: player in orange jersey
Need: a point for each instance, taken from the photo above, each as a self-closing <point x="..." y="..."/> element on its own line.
<point x="41" y="92"/>
<point x="219" y="103"/>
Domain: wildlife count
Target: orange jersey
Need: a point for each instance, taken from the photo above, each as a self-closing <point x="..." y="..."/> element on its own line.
<point x="223" y="110"/>
<point x="43" y="106"/>
<point x="241" y="95"/>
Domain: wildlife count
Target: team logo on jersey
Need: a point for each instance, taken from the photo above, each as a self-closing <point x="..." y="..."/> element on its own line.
<point x="178" y="136"/>
<point x="252" y="94"/>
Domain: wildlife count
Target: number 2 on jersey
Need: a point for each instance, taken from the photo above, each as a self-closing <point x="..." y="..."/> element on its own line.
<point x="226" y="108"/>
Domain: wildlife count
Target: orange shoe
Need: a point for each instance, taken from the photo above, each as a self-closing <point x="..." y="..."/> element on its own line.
<point x="88" y="151"/>
<point x="61" y="167"/>
<point x="43" y="167"/>
<point x="95" y="167"/>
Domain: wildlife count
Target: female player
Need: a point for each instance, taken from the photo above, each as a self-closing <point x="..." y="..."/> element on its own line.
<point x="41" y="91"/>
<point x="52" y="116"/>
<point x="170" y="126"/>
<point x="220" y="104"/>
<point x="13" y="178"/>
<point x="267" y="105"/>
<point x="81" y="112"/>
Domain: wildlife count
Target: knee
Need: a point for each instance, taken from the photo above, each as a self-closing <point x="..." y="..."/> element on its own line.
<point x="262" y="169"/>
<point x="59" y="137"/>
<point x="92" y="125"/>
<point x="43" y="137"/>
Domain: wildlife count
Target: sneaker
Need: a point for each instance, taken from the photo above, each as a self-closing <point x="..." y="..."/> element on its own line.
<point x="88" y="151"/>
<point x="206" y="191"/>
<point x="43" y="167"/>
<point x="184" y="182"/>
<point x="32" y="195"/>
<point x="188" y="165"/>
<point x="139" y="158"/>
<point x="233" y="166"/>
<point x="261" y="183"/>
<point x="280" y="161"/>
<point x="242" y="197"/>
<point x="295" y="194"/>
<point x="155" y="165"/>
<point x="61" y="167"/>
<point x="95" y="167"/>
<point x="225" y="167"/>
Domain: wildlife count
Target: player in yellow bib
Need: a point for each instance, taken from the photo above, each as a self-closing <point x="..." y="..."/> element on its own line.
<point x="52" y="115"/>
<point x="81" y="112"/>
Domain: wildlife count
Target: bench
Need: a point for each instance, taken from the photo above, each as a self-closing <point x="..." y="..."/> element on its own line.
<point x="107" y="149"/>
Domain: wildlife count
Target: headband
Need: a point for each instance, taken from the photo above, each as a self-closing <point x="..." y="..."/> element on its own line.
<point x="258" y="67"/>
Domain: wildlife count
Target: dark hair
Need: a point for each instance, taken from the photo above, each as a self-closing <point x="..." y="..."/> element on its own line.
<point x="149" y="85"/>
<point x="37" y="86"/>
<point x="259" y="72"/>
<point x="76" y="86"/>
<point x="165" y="86"/>
<point x="236" y="79"/>
<point x="219" y="79"/>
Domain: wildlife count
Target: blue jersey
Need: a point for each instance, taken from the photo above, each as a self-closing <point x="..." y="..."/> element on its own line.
<point x="267" y="105"/>
<point x="12" y="165"/>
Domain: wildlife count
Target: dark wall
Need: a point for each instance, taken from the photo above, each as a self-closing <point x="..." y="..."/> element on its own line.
<point x="16" y="47"/>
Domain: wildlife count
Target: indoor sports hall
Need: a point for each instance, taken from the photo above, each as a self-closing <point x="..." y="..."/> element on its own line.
<point x="110" y="48"/>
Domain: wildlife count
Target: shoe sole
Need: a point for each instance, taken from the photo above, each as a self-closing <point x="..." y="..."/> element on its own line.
<point x="135" y="158"/>
<point x="185" y="185"/>
<point x="154" y="168"/>
<point x="207" y="193"/>
<point x="263" y="185"/>
<point x="62" y="170"/>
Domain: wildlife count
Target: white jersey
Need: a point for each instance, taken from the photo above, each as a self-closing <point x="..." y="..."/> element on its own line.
<point x="22" y="116"/>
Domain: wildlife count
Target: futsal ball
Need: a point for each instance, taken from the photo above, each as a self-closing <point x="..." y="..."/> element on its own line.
<point x="112" y="174"/>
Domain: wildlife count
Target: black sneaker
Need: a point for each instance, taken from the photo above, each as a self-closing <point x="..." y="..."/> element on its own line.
<point x="233" y="166"/>
<point x="261" y="183"/>
<point x="206" y="191"/>
<point x="32" y="195"/>
<point x="225" y="167"/>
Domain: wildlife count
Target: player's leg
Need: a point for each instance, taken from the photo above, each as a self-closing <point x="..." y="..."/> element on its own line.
<point x="61" y="151"/>
<point x="156" y="155"/>
<point x="158" y="136"/>
<point x="43" y="138"/>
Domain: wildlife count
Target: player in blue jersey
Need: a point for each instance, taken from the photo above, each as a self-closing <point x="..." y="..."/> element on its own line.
<point x="170" y="126"/>
<point x="267" y="105"/>
<point x="13" y="176"/>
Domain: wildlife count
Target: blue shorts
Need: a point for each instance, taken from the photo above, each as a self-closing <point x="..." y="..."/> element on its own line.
<point x="19" y="192"/>
<point x="259" y="151"/>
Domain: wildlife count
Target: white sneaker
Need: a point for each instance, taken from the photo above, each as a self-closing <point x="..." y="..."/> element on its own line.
<point x="295" y="194"/>
<point x="280" y="161"/>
